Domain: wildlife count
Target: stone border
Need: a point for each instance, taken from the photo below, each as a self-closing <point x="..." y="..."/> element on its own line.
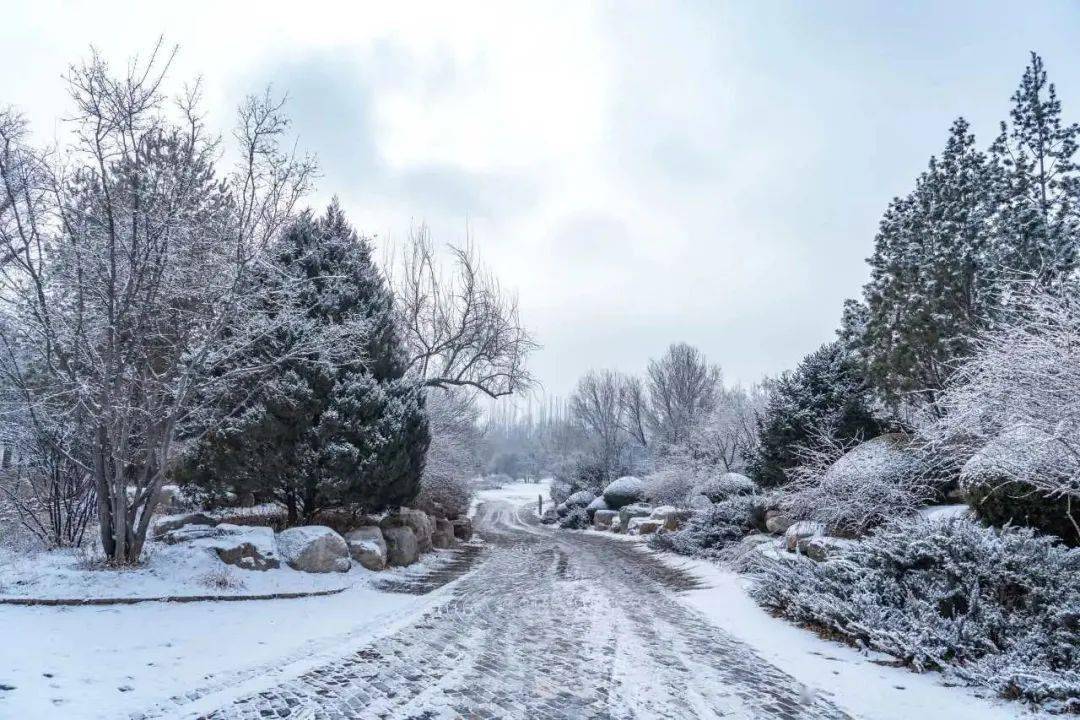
<point x="65" y="602"/>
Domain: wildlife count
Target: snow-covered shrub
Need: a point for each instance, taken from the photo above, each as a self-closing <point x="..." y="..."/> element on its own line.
<point x="671" y="485"/>
<point x="722" y="487"/>
<point x="999" y="608"/>
<point x="709" y="531"/>
<point x="576" y="519"/>
<point x="453" y="420"/>
<point x="222" y="579"/>
<point x="1017" y="401"/>
<point x="854" y="489"/>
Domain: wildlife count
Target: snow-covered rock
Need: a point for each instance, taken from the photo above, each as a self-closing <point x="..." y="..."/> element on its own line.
<point x="820" y="547"/>
<point x="581" y="498"/>
<point x="643" y="526"/>
<point x="314" y="548"/>
<point x="629" y="512"/>
<point x="443" y="537"/>
<point x="174" y="522"/>
<point x="401" y="546"/>
<point x="669" y="517"/>
<point x="624" y="491"/>
<point x="616" y="525"/>
<point x="367" y="546"/>
<point x="597" y="504"/>
<point x="418" y="521"/>
<point x="463" y="529"/>
<point x="250" y="548"/>
<point x="802" y="530"/>
<point x="700" y="502"/>
<point x="776" y="521"/>
<point x="602" y="519"/>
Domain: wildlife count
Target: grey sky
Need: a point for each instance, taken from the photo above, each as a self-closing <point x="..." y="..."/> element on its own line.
<point x="641" y="172"/>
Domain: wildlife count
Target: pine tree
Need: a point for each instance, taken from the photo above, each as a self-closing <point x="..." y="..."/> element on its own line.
<point x="1036" y="188"/>
<point x="826" y="391"/>
<point x="340" y="424"/>
<point x="933" y="276"/>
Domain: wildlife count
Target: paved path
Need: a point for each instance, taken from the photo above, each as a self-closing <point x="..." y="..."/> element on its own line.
<point x="547" y="624"/>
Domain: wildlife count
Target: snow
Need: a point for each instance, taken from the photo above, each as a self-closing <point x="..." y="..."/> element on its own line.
<point x="110" y="661"/>
<point x="850" y="678"/>
<point x="514" y="493"/>
<point x="939" y="513"/>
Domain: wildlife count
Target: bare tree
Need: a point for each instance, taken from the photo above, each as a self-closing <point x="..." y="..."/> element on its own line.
<point x="683" y="388"/>
<point x="597" y="405"/>
<point x="125" y="274"/>
<point x="635" y="410"/>
<point x="462" y="329"/>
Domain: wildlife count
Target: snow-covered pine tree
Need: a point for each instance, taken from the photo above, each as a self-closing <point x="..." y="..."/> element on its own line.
<point x="339" y="424"/>
<point x="933" y="276"/>
<point x="1035" y="223"/>
<point x="826" y="390"/>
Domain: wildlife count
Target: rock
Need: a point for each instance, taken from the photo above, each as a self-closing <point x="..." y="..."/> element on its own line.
<point x="643" y="526"/>
<point x="624" y="491"/>
<point x="418" y="521"/>
<point x="670" y="517"/>
<point x="247" y="499"/>
<point x="597" y="504"/>
<point x="367" y="547"/>
<point x="820" y="547"/>
<point x="802" y="530"/>
<point x="551" y="515"/>
<point x="616" y="524"/>
<point x="776" y="521"/>
<point x="314" y="548"/>
<point x="887" y="459"/>
<point x="602" y="519"/>
<point x="401" y="547"/>
<point x="443" y="537"/>
<point x="167" y="524"/>
<point x="632" y="511"/>
<point x="463" y="529"/>
<point x="249" y="548"/>
<point x="189" y="533"/>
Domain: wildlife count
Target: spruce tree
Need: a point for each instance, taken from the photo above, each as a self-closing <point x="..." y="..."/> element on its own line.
<point x="933" y="276"/>
<point x="826" y="392"/>
<point x="1036" y="188"/>
<point x="339" y="424"/>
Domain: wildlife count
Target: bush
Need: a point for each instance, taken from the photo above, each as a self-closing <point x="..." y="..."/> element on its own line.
<point x="448" y="496"/>
<point x="1017" y="503"/>
<point x="708" y="532"/>
<point x="720" y="488"/>
<point x="672" y="485"/>
<point x="989" y="607"/>
<point x="576" y="519"/>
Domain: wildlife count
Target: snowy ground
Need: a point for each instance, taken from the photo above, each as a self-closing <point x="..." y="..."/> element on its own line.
<point x="548" y="624"/>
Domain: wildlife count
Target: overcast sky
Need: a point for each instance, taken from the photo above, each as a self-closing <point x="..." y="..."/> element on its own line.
<point x="640" y="173"/>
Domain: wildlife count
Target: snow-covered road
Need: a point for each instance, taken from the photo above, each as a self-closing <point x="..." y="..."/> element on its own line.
<point x="550" y="624"/>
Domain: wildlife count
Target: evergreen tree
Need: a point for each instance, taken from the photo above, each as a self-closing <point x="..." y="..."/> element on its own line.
<point x="933" y="276"/>
<point x="339" y="424"/>
<point x="1036" y="188"/>
<point x="827" y="391"/>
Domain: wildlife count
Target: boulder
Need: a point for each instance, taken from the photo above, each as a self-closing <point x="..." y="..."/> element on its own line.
<point x="616" y="524"/>
<point x="168" y="524"/>
<point x="416" y="520"/>
<point x="314" y="548"/>
<point x="821" y="548"/>
<point x="581" y="498"/>
<point x="367" y="547"/>
<point x="670" y="517"/>
<point x="248" y="548"/>
<point x="887" y="459"/>
<point x="643" y="526"/>
<point x="802" y="530"/>
<point x="602" y="519"/>
<point x="628" y="512"/>
<point x="443" y="537"/>
<point x="551" y="515"/>
<point x="401" y="547"/>
<point x="463" y="530"/>
<point x="597" y="504"/>
<point x="776" y="521"/>
<point x="624" y="491"/>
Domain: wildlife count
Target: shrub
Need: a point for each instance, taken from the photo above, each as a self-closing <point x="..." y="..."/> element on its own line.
<point x="672" y="485"/>
<point x="576" y="519"/>
<point x="708" y="532"/>
<point x="989" y="607"/>
<point x="728" y="485"/>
